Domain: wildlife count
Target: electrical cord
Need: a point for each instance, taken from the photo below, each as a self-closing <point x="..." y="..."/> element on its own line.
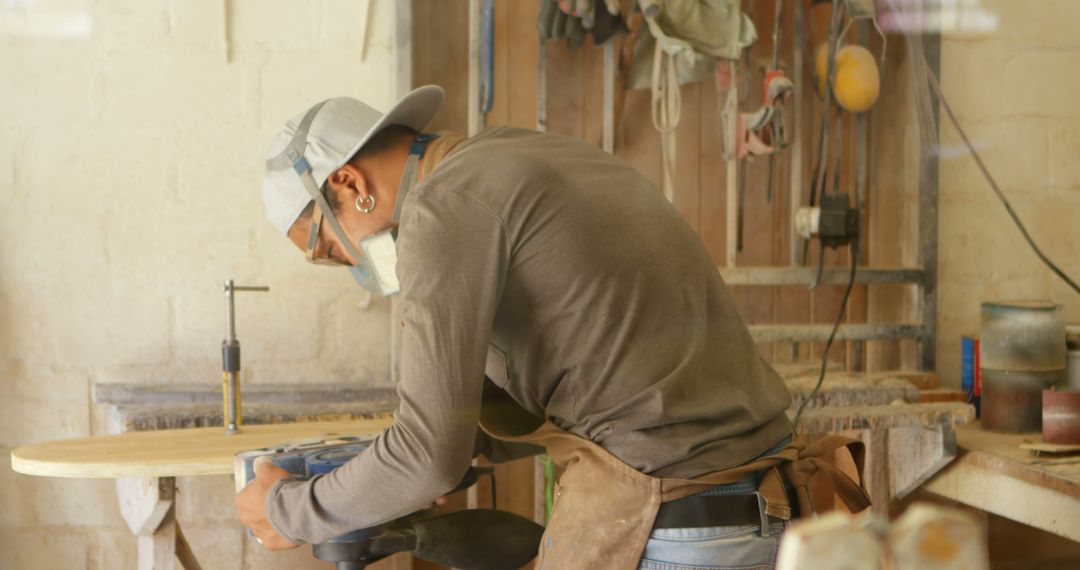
<point x="855" y="243"/>
<point x="820" y="267"/>
<point x="993" y="183"/>
<point x="821" y="166"/>
<point x="832" y="335"/>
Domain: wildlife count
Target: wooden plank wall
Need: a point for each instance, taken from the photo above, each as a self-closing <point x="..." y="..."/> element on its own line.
<point x="440" y="56"/>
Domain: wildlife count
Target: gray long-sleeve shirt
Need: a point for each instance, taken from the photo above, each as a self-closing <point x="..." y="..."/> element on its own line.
<point x="563" y="275"/>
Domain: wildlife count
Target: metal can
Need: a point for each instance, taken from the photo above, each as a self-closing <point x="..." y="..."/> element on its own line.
<point x="1022" y="353"/>
<point x="1061" y="417"/>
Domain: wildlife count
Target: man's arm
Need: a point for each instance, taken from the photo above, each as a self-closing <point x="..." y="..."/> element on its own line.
<point x="453" y="263"/>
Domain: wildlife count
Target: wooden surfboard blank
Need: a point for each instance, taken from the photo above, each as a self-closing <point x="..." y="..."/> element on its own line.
<point x="171" y="453"/>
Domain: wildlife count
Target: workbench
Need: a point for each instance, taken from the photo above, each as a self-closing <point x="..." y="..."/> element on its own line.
<point x="907" y="439"/>
<point x="146" y="465"/>
<point x="992" y="474"/>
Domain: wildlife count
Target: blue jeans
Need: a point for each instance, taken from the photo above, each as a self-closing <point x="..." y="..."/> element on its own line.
<point x="712" y="548"/>
<point x="717" y="547"/>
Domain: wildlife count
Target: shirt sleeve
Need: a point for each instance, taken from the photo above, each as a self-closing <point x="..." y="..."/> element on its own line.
<point x="453" y="259"/>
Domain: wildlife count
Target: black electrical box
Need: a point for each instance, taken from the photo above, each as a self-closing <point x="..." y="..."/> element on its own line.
<point x="839" y="222"/>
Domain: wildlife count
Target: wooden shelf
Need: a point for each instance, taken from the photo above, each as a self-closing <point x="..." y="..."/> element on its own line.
<point x="768" y="275"/>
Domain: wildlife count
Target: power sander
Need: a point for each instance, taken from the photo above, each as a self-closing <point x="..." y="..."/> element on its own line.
<point x="474" y="539"/>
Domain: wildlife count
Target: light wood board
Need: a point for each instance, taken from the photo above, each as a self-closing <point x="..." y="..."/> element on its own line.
<point x="171" y="453"/>
<point x="993" y="474"/>
<point x="1038" y="447"/>
<point x="1001" y="453"/>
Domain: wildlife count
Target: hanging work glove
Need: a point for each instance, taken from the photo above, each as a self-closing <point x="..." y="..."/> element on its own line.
<point x="573" y="19"/>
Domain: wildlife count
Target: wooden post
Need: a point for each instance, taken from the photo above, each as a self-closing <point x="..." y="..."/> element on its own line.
<point x="609" y="97"/>
<point x="928" y="222"/>
<point x="148" y="506"/>
<point x="877" y="472"/>
<point x="796" y="172"/>
<point x="403" y="48"/>
<point x="731" y="110"/>
<point x="476" y="118"/>
<point x="183" y="550"/>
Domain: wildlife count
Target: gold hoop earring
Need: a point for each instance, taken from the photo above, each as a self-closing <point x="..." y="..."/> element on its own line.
<point x="366" y="205"/>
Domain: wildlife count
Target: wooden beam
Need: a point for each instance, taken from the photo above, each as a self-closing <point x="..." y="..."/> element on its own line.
<point x="802" y="333"/>
<point x="609" y="97"/>
<point x="916" y="454"/>
<point x="928" y="215"/>
<point x="796" y="171"/>
<point x="476" y="118"/>
<point x="184" y="553"/>
<point x="403" y="48"/>
<point x="829" y="275"/>
<point x="731" y="113"/>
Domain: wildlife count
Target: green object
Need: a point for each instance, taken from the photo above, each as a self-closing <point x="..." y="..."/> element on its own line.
<point x="549" y="486"/>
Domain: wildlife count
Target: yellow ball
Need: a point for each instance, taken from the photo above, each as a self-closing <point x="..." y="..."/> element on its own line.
<point x="857" y="84"/>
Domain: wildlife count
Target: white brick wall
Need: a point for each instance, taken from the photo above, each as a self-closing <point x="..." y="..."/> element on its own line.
<point x="1021" y="106"/>
<point x="45" y="548"/>
<point x="132" y="135"/>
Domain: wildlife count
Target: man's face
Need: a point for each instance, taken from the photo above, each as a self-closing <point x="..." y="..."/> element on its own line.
<point x="346" y="190"/>
<point x="328" y="247"/>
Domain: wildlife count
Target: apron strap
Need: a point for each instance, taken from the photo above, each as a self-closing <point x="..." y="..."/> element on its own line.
<point x="797" y="464"/>
<point x="811" y="463"/>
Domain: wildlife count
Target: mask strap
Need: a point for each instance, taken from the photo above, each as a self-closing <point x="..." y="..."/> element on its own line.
<point x="293" y="156"/>
<point x="328" y="214"/>
<point x="313" y="234"/>
<point x="412" y="165"/>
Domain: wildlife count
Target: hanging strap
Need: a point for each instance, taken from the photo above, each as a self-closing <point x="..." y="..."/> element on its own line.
<point x="666" y="106"/>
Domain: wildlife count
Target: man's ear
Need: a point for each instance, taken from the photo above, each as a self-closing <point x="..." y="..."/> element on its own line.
<point x="349" y="183"/>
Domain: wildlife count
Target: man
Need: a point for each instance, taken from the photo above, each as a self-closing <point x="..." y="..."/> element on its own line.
<point x="563" y="277"/>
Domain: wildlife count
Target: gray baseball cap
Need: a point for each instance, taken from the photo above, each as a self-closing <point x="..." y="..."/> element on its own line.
<point x="334" y="134"/>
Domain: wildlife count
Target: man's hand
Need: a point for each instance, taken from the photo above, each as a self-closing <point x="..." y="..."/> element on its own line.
<point x="251" y="502"/>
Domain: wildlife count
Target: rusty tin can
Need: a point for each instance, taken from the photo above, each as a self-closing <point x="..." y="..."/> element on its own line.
<point x="1022" y="353"/>
<point x="1061" y="416"/>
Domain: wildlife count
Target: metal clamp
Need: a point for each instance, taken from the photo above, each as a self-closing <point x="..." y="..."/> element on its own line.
<point x="230" y="358"/>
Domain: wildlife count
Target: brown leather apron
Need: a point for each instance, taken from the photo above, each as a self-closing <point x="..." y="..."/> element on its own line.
<point x="604" y="508"/>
